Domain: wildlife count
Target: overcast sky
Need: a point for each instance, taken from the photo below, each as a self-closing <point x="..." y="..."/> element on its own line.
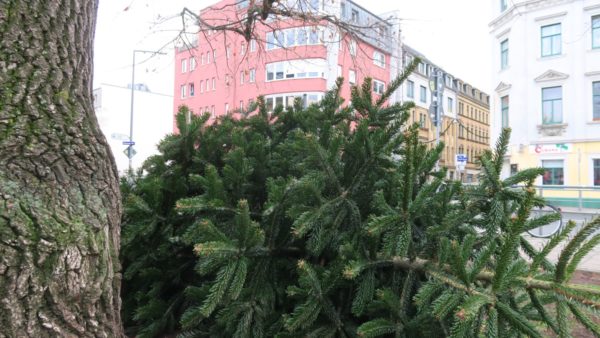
<point x="452" y="34"/>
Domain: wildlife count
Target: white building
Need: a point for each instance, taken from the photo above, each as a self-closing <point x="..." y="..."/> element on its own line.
<point x="152" y="120"/>
<point x="546" y="75"/>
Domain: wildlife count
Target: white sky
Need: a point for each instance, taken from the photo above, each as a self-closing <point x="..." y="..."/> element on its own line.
<point x="451" y="33"/>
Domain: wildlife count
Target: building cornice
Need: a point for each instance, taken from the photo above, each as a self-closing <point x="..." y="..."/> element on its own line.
<point x="551" y="16"/>
<point x="502" y="87"/>
<point x="551" y="75"/>
<point x="591" y="8"/>
<point x="524" y="7"/>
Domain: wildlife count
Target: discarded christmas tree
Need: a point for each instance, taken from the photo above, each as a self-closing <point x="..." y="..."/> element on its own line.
<point x="328" y="221"/>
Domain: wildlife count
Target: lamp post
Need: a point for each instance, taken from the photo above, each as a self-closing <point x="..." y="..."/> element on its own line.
<point x="130" y="148"/>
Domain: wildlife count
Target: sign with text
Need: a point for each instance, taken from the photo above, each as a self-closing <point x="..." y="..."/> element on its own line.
<point x="461" y="161"/>
<point x="556" y="148"/>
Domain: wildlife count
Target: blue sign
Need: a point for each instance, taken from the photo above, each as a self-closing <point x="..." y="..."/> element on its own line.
<point x="129" y="143"/>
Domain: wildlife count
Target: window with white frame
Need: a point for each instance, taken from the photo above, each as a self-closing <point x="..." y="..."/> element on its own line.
<point x="227" y="52"/>
<point x="252" y="45"/>
<point x="287" y="100"/>
<point x="504" y="54"/>
<point x="214" y="55"/>
<point x="214" y="84"/>
<point x="226" y="108"/>
<point x="242" y="77"/>
<point x="252" y="77"/>
<point x="207" y="84"/>
<point x="192" y="64"/>
<point x="422" y="120"/>
<point x="504" y="109"/>
<point x="422" y="68"/>
<point x="202" y="59"/>
<point x="596" y="101"/>
<point x="553" y="172"/>
<point x="552" y="105"/>
<point x="183" y="65"/>
<point x="378" y="87"/>
<point x="503" y="5"/>
<point x="423" y="94"/>
<point x="596" y="31"/>
<point x="352" y="47"/>
<point x="296" y="69"/>
<point x="354" y="16"/>
<point x="551" y="40"/>
<point x="379" y="59"/>
<point x="596" y="171"/>
<point x="450" y="104"/>
<point x="201" y="87"/>
<point x="192" y="89"/>
<point x="351" y="77"/>
<point x="293" y="37"/>
<point x="243" y="48"/>
<point x="410" y="89"/>
<point x="183" y="89"/>
<point x="207" y="57"/>
<point x="241" y="105"/>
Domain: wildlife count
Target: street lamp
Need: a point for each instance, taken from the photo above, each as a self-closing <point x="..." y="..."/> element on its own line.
<point x="130" y="148"/>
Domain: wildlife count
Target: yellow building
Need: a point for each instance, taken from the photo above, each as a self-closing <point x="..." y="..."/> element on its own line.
<point x="473" y="127"/>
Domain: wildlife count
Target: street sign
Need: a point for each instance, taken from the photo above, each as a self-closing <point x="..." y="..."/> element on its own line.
<point x="129" y="152"/>
<point x="119" y="136"/>
<point x="461" y="161"/>
<point x="128" y="143"/>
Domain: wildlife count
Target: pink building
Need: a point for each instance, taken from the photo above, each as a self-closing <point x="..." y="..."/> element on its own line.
<point x="222" y="72"/>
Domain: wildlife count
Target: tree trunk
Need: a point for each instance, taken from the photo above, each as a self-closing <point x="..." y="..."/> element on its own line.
<point x="59" y="194"/>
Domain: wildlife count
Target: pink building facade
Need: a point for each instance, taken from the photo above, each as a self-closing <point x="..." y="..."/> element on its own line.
<point x="222" y="72"/>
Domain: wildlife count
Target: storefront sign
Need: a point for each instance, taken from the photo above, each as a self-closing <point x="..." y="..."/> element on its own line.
<point x="558" y="148"/>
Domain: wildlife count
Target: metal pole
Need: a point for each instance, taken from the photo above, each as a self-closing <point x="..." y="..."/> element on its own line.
<point x="130" y="148"/>
<point x="438" y="110"/>
<point x="131" y="112"/>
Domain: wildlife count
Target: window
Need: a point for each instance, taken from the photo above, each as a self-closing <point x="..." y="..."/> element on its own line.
<point x="207" y="84"/>
<point x="378" y="87"/>
<point x="252" y="45"/>
<point x="192" y="89"/>
<point x="226" y="108"/>
<point x="503" y="5"/>
<point x="207" y="57"/>
<point x="461" y="108"/>
<point x="252" y="75"/>
<point x="202" y="59"/>
<point x="554" y="172"/>
<point x="352" y="47"/>
<point x="504" y="109"/>
<point x="450" y="104"/>
<point x="596" y="171"/>
<point x="504" y="54"/>
<point x="227" y="79"/>
<point x="201" y="86"/>
<point x="243" y="49"/>
<point x="227" y="52"/>
<point x="596" y="100"/>
<point x="421" y="68"/>
<point x="214" y="83"/>
<point x="192" y="64"/>
<point x="551" y="40"/>
<point x="596" y="31"/>
<point x="296" y="69"/>
<point x="292" y="37"/>
<point x="242" y="77"/>
<point x="461" y="132"/>
<point x="214" y="55"/>
<point x="552" y="105"/>
<point x="421" y="120"/>
<point x="423" y="94"/>
<point x="351" y="77"/>
<point x="212" y="110"/>
<point x="379" y="59"/>
<point x="241" y="105"/>
<point x="183" y="90"/>
<point x="410" y="89"/>
<point x="354" y="17"/>
<point x="184" y="65"/>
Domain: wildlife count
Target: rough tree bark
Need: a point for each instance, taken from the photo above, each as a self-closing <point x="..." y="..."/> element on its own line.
<point x="59" y="198"/>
